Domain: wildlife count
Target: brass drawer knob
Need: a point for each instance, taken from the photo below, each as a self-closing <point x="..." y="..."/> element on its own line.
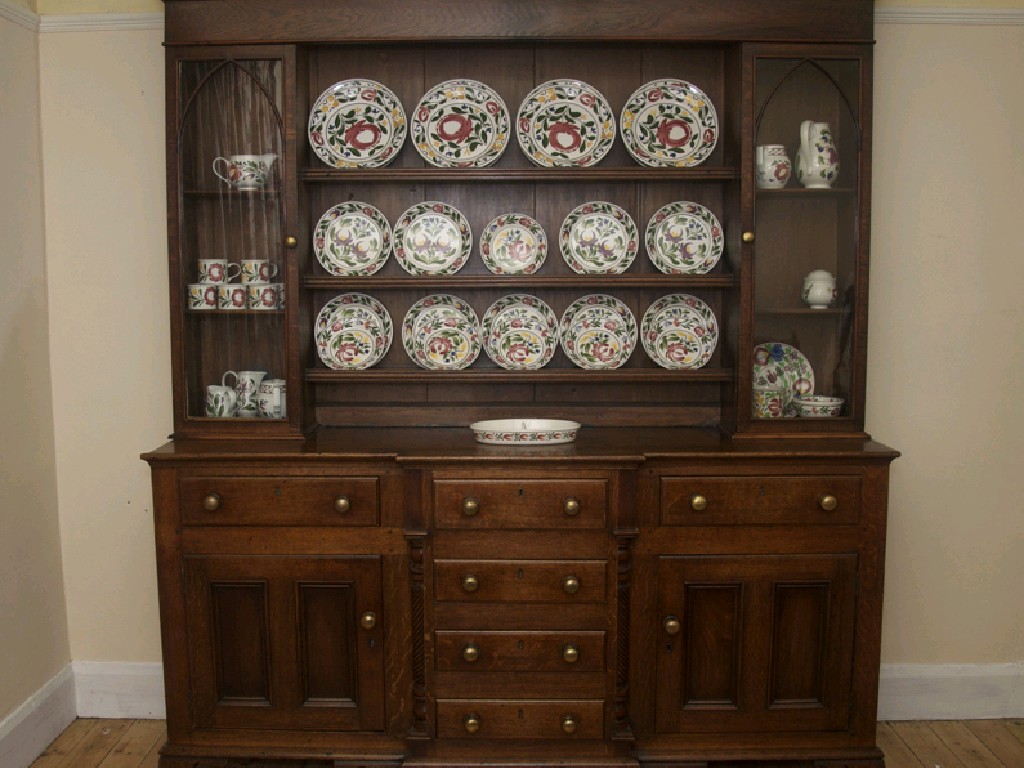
<point x="342" y="505"/>
<point x="470" y="583"/>
<point x="748" y="237"/>
<point x="569" y="724"/>
<point x="671" y="625"/>
<point x="828" y="502"/>
<point x="571" y="507"/>
<point x="471" y="723"/>
<point x="570" y="653"/>
<point x="368" y="620"/>
<point x="470" y="506"/>
<point x="571" y="585"/>
<point x="698" y="503"/>
<point x="212" y="502"/>
<point x="471" y="652"/>
<point x="291" y="241"/>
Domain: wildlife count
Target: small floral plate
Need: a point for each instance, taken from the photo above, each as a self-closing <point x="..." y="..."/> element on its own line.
<point x="598" y="238"/>
<point x="679" y="331"/>
<point x="684" y="238"/>
<point x="353" y="332"/>
<point x="669" y="123"/>
<point x="520" y="332"/>
<point x="432" y="238"/>
<point x="781" y="364"/>
<point x="525" y="431"/>
<point x="460" y="124"/>
<point x="565" y="123"/>
<point x="598" y="332"/>
<point x="513" y="244"/>
<point x="357" y="124"/>
<point x="446" y="337"/>
<point x="352" y="238"/>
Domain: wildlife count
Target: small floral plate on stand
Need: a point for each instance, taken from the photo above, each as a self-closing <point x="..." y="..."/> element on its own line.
<point x="669" y="123"/>
<point x="432" y="238"/>
<point x="684" y="238"/>
<point x="598" y="238"/>
<point x="460" y="124"/>
<point x="357" y="124"/>
<point x="565" y="123"/>
<point x="679" y="331"/>
<point x="520" y="332"/>
<point x="777" y="364"/>
<point x="352" y="238"/>
<point x="441" y="332"/>
<point x="598" y="332"/>
<point x="353" y="332"/>
<point x="513" y="244"/>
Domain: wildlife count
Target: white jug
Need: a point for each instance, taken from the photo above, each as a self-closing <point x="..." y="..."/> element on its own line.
<point x="817" y="162"/>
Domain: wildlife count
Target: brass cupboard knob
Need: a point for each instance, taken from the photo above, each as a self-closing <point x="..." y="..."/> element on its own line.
<point x="471" y="652"/>
<point x="698" y="503"/>
<point x="571" y="506"/>
<point x="569" y="724"/>
<point x="471" y="723"/>
<point x="828" y="502"/>
<point x="748" y="237"/>
<point x="368" y="620"/>
<point x="571" y="585"/>
<point x="212" y="502"/>
<point x="470" y="583"/>
<point x="342" y="505"/>
<point x="570" y="653"/>
<point x="671" y="625"/>
<point x="291" y="241"/>
<point x="470" y="506"/>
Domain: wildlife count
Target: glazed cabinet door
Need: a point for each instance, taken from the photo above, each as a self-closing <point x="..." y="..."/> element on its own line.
<point x="230" y="196"/>
<point x="755" y="643"/>
<point x="286" y="642"/>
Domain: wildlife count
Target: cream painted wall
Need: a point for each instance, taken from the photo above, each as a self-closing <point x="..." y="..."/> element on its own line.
<point x="33" y="622"/>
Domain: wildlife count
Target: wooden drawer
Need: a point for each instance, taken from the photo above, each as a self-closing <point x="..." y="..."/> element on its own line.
<point x="794" y="500"/>
<point x="520" y="719"/>
<point x="327" y="501"/>
<point x="520" y="581"/>
<point x="520" y="651"/>
<point x="521" y="504"/>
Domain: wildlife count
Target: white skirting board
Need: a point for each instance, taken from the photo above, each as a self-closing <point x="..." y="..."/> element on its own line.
<point x="30" y="728"/>
<point x="951" y="691"/>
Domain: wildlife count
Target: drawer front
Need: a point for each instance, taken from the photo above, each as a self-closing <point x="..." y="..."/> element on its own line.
<point x="520" y="581"/>
<point x="559" y="719"/>
<point x="521" y="504"/>
<point x="795" y="500"/>
<point x="326" y="501"/>
<point x="520" y="651"/>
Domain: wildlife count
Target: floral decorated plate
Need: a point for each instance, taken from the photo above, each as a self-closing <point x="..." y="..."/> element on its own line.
<point x="357" y="124"/>
<point x="352" y="238"/>
<point x="776" y="363"/>
<point x="460" y="124"/>
<point x="598" y="332"/>
<point x="679" y="331"/>
<point x="669" y="123"/>
<point x="520" y="332"/>
<point x="513" y="244"/>
<point x="353" y="332"/>
<point x="525" y="431"/>
<point x="598" y="238"/>
<point x="447" y="337"/>
<point x="684" y="238"/>
<point x="565" y="123"/>
<point x="432" y="238"/>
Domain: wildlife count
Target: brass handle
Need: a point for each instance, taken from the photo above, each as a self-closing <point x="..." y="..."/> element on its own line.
<point x="828" y="502"/>
<point x="471" y="723"/>
<point x="470" y="506"/>
<point x="748" y="237"/>
<point x="570" y="653"/>
<point x="368" y="620"/>
<point x="471" y="652"/>
<point x="571" y="506"/>
<point x="470" y="583"/>
<point x="212" y="502"/>
<point x="571" y="585"/>
<point x="342" y="505"/>
<point x="698" y="503"/>
<point x="291" y="241"/>
<point x="569" y="724"/>
<point x="671" y="624"/>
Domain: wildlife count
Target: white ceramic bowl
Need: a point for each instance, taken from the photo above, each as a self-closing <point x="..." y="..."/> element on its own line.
<point x="817" y="405"/>
<point x="525" y="431"/>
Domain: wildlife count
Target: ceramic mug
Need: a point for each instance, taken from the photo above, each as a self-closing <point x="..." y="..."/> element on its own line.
<point x="773" y="166"/>
<point x="231" y="296"/>
<point x="202" y="296"/>
<point x="221" y="400"/>
<point x="258" y="270"/>
<point x="246" y="385"/>
<point x="217" y="271"/>
<point x="241" y="171"/>
<point x="768" y="402"/>
<point x="265" y="295"/>
<point x="271" y="397"/>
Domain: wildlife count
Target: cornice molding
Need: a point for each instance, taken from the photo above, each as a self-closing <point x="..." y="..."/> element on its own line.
<point x="976" y="17"/>
<point x="100" y="22"/>
<point x="20" y="16"/>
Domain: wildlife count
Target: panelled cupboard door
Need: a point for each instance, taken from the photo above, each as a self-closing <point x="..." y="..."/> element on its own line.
<point x="755" y="643"/>
<point x="286" y="642"/>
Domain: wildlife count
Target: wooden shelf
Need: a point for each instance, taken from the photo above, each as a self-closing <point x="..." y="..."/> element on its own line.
<point x="542" y="376"/>
<point x="492" y="174"/>
<point x="521" y="282"/>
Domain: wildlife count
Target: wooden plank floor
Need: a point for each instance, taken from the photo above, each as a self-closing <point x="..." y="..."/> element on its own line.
<point x="907" y="744"/>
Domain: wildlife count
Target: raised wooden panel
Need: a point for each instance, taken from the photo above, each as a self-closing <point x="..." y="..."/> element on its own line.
<point x="327" y="653"/>
<point x="800" y="630"/>
<point x="713" y="636"/>
<point x="240" y="642"/>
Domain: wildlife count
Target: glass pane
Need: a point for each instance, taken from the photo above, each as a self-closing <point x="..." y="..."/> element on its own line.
<point x="805" y="263"/>
<point x="232" y="263"/>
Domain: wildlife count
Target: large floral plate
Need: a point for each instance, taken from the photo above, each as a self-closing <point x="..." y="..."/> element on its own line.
<point x="353" y="332"/>
<point x="565" y="123"/>
<point x="598" y="332"/>
<point x="684" y="238"/>
<point x="679" y="331"/>
<point x="598" y="238"/>
<point x="432" y="238"/>
<point x="669" y="123"/>
<point x="357" y="124"/>
<point x="513" y="244"/>
<point x="460" y="124"/>
<point x="520" y="332"/>
<point x="778" y="364"/>
<point x="446" y="337"/>
<point x="352" y="238"/>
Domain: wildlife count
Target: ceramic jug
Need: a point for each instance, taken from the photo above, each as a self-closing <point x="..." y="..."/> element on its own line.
<point x="817" y="162"/>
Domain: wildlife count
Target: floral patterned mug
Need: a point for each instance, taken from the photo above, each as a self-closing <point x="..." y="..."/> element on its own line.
<point x="246" y="384"/>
